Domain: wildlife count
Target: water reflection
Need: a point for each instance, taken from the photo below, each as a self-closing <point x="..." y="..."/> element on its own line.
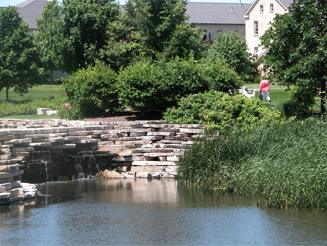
<point x="156" y="212"/>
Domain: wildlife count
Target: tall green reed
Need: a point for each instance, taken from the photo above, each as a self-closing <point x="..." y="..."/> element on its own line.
<point x="284" y="164"/>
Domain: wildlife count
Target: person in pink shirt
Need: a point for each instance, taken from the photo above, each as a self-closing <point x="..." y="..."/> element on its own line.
<point x="265" y="89"/>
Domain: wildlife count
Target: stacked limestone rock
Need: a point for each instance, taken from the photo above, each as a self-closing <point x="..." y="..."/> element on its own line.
<point x="11" y="187"/>
<point x="139" y="148"/>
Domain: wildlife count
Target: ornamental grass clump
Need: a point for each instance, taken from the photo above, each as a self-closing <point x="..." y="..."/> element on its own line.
<point x="283" y="164"/>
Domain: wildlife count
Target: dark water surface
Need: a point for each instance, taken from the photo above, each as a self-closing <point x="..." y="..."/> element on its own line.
<point x="157" y="212"/>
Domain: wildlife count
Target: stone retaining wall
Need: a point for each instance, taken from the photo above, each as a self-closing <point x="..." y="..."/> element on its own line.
<point x="138" y="149"/>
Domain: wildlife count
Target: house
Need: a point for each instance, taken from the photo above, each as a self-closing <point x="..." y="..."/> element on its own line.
<point x="258" y="18"/>
<point x="216" y="18"/>
<point x="31" y="10"/>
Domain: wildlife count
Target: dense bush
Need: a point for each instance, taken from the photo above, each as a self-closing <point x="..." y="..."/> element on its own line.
<point x="141" y="86"/>
<point x="284" y="164"/>
<point x="218" y="111"/>
<point x="147" y="86"/>
<point x="92" y="91"/>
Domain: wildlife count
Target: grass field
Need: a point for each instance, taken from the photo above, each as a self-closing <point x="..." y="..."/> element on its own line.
<point x="39" y="92"/>
<point x="24" y="107"/>
<point x="277" y="93"/>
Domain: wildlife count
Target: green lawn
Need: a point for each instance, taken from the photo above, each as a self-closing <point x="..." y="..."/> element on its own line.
<point x="39" y="92"/>
<point x="277" y="93"/>
<point x="13" y="109"/>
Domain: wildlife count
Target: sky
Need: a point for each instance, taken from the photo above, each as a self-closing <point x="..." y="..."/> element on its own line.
<point x="4" y="3"/>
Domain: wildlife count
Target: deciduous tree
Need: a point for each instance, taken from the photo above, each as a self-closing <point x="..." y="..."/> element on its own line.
<point x="20" y="64"/>
<point x="46" y="36"/>
<point x="296" y="48"/>
<point x="160" y="28"/>
<point x="233" y="49"/>
<point x="83" y="30"/>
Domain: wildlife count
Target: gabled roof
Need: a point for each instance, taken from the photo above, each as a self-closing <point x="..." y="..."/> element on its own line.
<point x="216" y="13"/>
<point x="30" y="10"/>
<point x="284" y="3"/>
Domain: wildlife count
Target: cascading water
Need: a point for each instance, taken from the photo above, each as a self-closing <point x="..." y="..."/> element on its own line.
<point x="86" y="165"/>
<point x="42" y="160"/>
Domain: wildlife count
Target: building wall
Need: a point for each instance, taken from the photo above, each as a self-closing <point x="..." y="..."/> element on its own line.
<point x="263" y="18"/>
<point x="214" y="29"/>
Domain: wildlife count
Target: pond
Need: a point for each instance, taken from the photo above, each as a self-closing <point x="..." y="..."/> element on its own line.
<point x="152" y="212"/>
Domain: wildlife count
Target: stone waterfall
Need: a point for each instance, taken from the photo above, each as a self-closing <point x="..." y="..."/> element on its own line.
<point x="38" y="151"/>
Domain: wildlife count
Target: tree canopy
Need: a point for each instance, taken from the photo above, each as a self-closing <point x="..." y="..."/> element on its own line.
<point x="153" y="28"/>
<point x="20" y="63"/>
<point x="46" y="37"/>
<point x="296" y="47"/>
<point x="81" y="31"/>
<point x="233" y="49"/>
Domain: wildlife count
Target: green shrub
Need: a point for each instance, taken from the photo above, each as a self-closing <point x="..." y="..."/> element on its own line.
<point x="218" y="111"/>
<point x="141" y="86"/>
<point x="147" y="86"/>
<point x="304" y="96"/>
<point x="283" y="164"/>
<point x="221" y="77"/>
<point x="93" y="91"/>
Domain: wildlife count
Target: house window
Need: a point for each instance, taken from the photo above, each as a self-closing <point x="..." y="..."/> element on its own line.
<point x="271" y="8"/>
<point x="256" y="28"/>
<point x="261" y="9"/>
<point x="256" y="51"/>
<point x="219" y="31"/>
<point x="205" y="35"/>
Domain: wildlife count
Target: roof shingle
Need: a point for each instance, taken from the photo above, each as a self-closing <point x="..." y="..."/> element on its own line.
<point x="30" y="10"/>
<point x="216" y="13"/>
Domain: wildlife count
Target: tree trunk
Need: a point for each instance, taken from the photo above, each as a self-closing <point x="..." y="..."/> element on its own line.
<point x="7" y="94"/>
<point x="52" y="75"/>
<point x="323" y="97"/>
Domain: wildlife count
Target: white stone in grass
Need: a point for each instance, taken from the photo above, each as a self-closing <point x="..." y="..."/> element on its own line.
<point x="41" y="111"/>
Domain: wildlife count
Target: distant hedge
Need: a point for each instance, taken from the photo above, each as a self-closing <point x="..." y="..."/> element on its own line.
<point x="145" y="85"/>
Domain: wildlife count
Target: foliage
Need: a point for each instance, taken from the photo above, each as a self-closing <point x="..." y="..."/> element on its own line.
<point x="221" y="111"/>
<point x="282" y="163"/>
<point x="46" y="38"/>
<point x="83" y="30"/>
<point x="220" y="76"/>
<point x="20" y="65"/>
<point x="28" y="107"/>
<point x="93" y="91"/>
<point x="151" y="28"/>
<point x="233" y="49"/>
<point x="296" y="49"/>
<point x="70" y="112"/>
<point x="148" y="85"/>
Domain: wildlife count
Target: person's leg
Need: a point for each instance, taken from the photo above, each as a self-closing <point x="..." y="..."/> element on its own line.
<point x="264" y="95"/>
<point x="268" y="96"/>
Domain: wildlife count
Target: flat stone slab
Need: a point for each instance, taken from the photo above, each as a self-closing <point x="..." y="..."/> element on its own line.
<point x="44" y="144"/>
<point x="153" y="163"/>
<point x="42" y="111"/>
<point x="51" y="112"/>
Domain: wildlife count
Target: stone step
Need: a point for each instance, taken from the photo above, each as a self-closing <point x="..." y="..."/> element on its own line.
<point x="161" y="133"/>
<point x="153" y="163"/>
<point x="9" y="168"/>
<point x="8" y="162"/>
<point x="152" y="150"/>
<point x="5" y="175"/>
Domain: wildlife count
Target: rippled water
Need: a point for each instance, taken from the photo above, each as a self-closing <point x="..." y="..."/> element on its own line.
<point x="157" y="212"/>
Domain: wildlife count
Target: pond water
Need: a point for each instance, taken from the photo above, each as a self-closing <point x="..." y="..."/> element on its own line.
<point x="152" y="212"/>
